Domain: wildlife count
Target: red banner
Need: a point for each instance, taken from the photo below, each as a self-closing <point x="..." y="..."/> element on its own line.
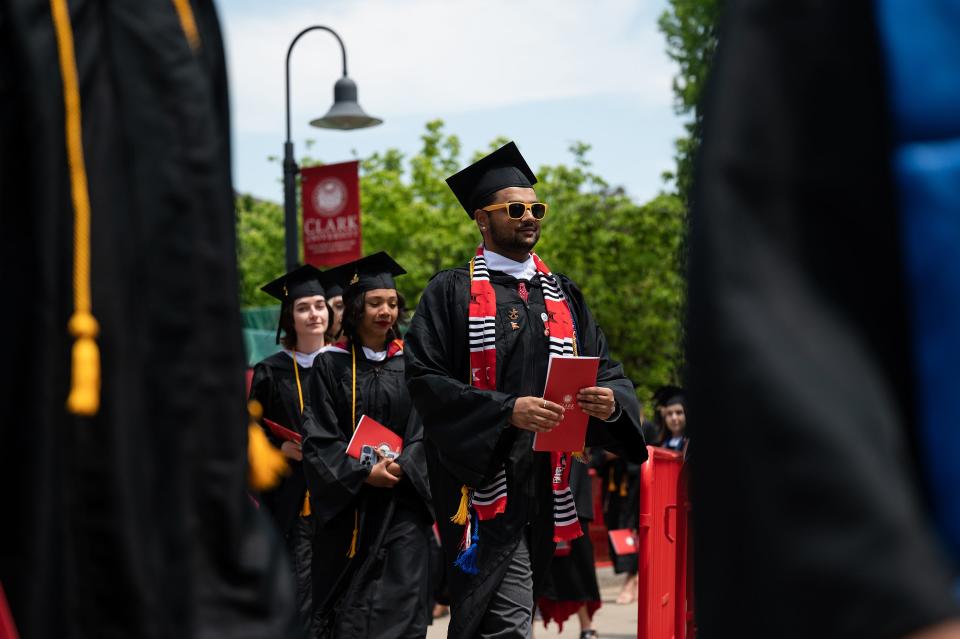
<point x="331" y="214"/>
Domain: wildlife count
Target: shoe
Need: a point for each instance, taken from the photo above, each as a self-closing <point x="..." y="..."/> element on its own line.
<point x="589" y="634"/>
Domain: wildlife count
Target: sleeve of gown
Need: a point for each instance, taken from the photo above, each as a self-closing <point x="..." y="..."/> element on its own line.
<point x="333" y="477"/>
<point x="620" y="435"/>
<point x="262" y="390"/>
<point x="463" y="422"/>
<point x="413" y="459"/>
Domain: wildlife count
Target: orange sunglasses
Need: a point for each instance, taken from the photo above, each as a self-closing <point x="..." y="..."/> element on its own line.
<point x="516" y="210"/>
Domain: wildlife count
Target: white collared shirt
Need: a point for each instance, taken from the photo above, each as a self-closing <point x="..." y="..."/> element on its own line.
<point x="521" y="270"/>
<point x="374" y="356"/>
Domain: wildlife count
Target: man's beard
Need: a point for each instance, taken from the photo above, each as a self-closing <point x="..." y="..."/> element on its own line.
<point x="508" y="237"/>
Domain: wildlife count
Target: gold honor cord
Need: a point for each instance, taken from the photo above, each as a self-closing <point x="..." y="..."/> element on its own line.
<point x="187" y="22"/>
<point x="296" y="374"/>
<point x="84" y="398"/>
<point x="463" y="508"/>
<point x="352" y="552"/>
<point x="305" y="508"/>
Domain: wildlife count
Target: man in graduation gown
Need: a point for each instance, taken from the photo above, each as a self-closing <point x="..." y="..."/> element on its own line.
<point x="125" y="512"/>
<point x="480" y="418"/>
<point x="812" y="503"/>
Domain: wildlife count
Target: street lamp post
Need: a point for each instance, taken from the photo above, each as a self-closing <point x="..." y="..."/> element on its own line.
<point x="345" y="114"/>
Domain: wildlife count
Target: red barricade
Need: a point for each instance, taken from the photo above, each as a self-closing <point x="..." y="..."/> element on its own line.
<point x="665" y="610"/>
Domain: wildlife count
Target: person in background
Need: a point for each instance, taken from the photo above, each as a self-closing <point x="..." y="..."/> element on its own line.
<point x="335" y="304"/>
<point x="371" y="550"/>
<point x="621" y="510"/>
<point x="279" y="384"/>
<point x="571" y="586"/>
<point x="671" y="417"/>
<point x="621" y="503"/>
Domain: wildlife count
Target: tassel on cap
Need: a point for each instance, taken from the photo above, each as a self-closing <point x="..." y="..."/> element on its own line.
<point x="611" y="483"/>
<point x="623" y="486"/>
<point x="580" y="456"/>
<point x="84" y="398"/>
<point x="267" y="464"/>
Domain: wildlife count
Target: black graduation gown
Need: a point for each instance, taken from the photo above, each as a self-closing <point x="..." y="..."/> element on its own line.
<point x="621" y="505"/>
<point x="806" y="492"/>
<point x="274" y="385"/>
<point x="572" y="578"/>
<point x="467" y="434"/>
<point x="399" y="601"/>
<point x="135" y="522"/>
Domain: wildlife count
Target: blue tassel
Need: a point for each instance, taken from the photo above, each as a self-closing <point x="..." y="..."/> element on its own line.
<point x="467" y="559"/>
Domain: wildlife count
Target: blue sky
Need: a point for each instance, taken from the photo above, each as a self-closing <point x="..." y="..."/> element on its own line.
<point x="545" y="73"/>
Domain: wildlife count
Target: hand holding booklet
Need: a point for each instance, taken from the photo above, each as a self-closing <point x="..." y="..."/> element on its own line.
<point x="283" y="432"/>
<point x="370" y="438"/>
<point x="566" y="375"/>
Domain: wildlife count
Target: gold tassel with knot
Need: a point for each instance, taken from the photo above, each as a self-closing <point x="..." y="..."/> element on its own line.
<point x="623" y="486"/>
<point x="267" y="464"/>
<point x="580" y="456"/>
<point x="84" y="398"/>
<point x="611" y="482"/>
<point x="460" y="517"/>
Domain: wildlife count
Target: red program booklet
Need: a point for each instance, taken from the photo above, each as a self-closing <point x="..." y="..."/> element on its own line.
<point x="624" y="541"/>
<point x="371" y="436"/>
<point x="283" y="432"/>
<point x="566" y="375"/>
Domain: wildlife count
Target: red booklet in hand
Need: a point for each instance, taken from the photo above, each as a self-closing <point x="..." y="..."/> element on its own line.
<point x="283" y="432"/>
<point x="566" y="375"/>
<point x="371" y="437"/>
<point x="624" y="541"/>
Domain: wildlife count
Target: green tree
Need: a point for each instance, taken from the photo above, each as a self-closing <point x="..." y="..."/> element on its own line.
<point x="690" y="27"/>
<point x="625" y="257"/>
<point x="409" y="212"/>
<point x="260" y="250"/>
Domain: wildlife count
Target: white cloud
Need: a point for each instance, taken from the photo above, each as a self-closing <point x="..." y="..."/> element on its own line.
<point x="436" y="57"/>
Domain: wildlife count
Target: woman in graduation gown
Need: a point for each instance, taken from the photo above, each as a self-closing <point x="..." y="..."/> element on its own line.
<point x="374" y="522"/>
<point x="280" y="385"/>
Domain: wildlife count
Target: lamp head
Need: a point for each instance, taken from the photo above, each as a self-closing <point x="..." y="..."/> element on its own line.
<point x="346" y="112"/>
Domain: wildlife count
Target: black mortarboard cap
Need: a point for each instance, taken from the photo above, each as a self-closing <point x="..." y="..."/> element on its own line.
<point x="667" y="395"/>
<point x="503" y="168"/>
<point x="303" y="281"/>
<point x="367" y="273"/>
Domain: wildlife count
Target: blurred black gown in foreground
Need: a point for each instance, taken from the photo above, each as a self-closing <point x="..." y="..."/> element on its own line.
<point x="134" y="522"/>
<point x="810" y="516"/>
